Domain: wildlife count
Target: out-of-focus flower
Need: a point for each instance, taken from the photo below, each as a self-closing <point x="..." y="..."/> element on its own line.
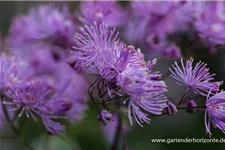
<point x="134" y="31"/>
<point x="45" y="24"/>
<point x="196" y="78"/>
<point x="215" y="110"/>
<point x="12" y="70"/>
<point x="210" y="21"/>
<point x="105" y="117"/>
<point x="109" y="12"/>
<point x="172" y="52"/>
<point x="37" y="99"/>
<point x="45" y="89"/>
<point x="164" y="17"/>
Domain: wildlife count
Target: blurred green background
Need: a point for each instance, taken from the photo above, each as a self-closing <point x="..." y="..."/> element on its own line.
<point x="87" y="135"/>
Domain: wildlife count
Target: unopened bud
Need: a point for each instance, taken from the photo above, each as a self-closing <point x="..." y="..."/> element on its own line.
<point x="105" y="117"/>
<point x="171" y="109"/>
<point x="190" y="105"/>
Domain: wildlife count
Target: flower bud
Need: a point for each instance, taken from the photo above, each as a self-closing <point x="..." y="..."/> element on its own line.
<point x="171" y="109"/>
<point x="190" y="104"/>
<point x="105" y="117"/>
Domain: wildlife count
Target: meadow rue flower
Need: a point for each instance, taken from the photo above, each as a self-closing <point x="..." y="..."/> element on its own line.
<point x="41" y="89"/>
<point x="95" y="46"/>
<point x="12" y="70"/>
<point x="101" y="53"/>
<point x="45" y="24"/>
<point x="145" y="93"/>
<point x="109" y="12"/>
<point x="210" y="21"/>
<point x="164" y="17"/>
<point x="36" y="98"/>
<point x="215" y="110"/>
<point x="195" y="77"/>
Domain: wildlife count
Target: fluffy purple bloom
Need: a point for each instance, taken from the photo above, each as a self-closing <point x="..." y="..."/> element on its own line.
<point x="36" y="98"/>
<point x="101" y="53"/>
<point x="210" y="21"/>
<point x="145" y="93"/>
<point x="95" y="46"/>
<point x="47" y="93"/>
<point x="195" y="77"/>
<point x="164" y="17"/>
<point x="12" y="70"/>
<point x="215" y="110"/>
<point x="109" y="12"/>
<point x="45" y="24"/>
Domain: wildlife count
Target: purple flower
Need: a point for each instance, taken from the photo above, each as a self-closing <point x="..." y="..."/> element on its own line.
<point x="210" y="21"/>
<point x="108" y="12"/>
<point x="13" y="70"/>
<point x="197" y="78"/>
<point x="172" y="52"/>
<point x="37" y="99"/>
<point x="215" y="109"/>
<point x="45" y="24"/>
<point x="95" y="46"/>
<point x="145" y="93"/>
<point x="101" y="53"/>
<point x="164" y="17"/>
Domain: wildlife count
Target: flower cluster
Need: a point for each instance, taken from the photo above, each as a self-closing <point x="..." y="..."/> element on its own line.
<point x="47" y="25"/>
<point x="101" y="52"/>
<point x="37" y="97"/>
<point x="200" y="81"/>
<point x="50" y="53"/>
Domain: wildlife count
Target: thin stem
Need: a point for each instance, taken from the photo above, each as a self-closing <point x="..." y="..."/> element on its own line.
<point x="197" y="107"/>
<point x="11" y="124"/>
<point x="117" y="134"/>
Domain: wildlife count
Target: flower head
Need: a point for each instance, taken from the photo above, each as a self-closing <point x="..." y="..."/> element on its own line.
<point x="95" y="46"/>
<point x="210" y="22"/>
<point x="145" y="92"/>
<point x="109" y="12"/>
<point x="197" y="78"/>
<point x="215" y="109"/>
<point x="12" y="70"/>
<point x="45" y="24"/>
